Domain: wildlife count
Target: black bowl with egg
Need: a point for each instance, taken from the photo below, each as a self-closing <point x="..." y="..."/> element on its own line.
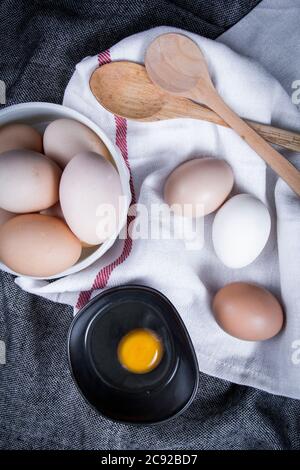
<point x="114" y="391"/>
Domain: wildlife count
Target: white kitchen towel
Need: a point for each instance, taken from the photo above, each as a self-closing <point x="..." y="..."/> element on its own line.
<point x="191" y="278"/>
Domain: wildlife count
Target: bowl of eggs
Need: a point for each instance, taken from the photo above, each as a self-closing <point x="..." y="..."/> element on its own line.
<point x="64" y="191"/>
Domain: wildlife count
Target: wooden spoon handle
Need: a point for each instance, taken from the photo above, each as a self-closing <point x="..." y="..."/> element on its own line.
<point x="182" y="107"/>
<point x="287" y="139"/>
<point x="273" y="158"/>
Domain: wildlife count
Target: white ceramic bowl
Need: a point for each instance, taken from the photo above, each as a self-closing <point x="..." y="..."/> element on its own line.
<point x="39" y="115"/>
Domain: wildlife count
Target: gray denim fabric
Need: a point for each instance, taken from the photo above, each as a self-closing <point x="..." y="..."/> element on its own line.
<point x="40" y="407"/>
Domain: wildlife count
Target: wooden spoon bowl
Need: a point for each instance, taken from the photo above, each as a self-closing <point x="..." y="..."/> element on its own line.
<point x="133" y="95"/>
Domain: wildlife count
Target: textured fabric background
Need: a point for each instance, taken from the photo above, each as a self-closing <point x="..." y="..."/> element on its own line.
<point x="40" y="408"/>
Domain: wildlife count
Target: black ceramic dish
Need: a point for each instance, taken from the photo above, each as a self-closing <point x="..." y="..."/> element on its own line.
<point x="112" y="390"/>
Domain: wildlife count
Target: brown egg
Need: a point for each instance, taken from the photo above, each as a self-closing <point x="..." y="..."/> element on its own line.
<point x="29" y="181"/>
<point x="65" y="138"/>
<point x="248" y="312"/>
<point x="38" y="245"/>
<point x="20" y="136"/>
<point x="198" y="186"/>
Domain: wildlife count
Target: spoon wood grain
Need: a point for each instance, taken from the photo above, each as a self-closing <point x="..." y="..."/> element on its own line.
<point x="124" y="89"/>
<point x="176" y="65"/>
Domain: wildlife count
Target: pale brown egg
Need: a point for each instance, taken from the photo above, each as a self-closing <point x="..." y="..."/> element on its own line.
<point x="38" y="245"/>
<point x="5" y="216"/>
<point x="198" y="186"/>
<point x="248" y="312"/>
<point x="29" y="181"/>
<point x="65" y="138"/>
<point x="20" y="136"/>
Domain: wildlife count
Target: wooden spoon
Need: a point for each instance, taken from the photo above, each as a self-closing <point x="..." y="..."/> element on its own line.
<point x="176" y="64"/>
<point x="124" y="89"/>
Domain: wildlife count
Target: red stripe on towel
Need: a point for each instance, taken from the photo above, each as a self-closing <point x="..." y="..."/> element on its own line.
<point x="104" y="57"/>
<point x="103" y="275"/>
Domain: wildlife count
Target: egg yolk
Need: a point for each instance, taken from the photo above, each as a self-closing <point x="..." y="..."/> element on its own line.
<point x="140" y="351"/>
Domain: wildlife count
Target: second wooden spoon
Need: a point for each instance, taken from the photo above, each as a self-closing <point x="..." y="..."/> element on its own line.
<point x="176" y="64"/>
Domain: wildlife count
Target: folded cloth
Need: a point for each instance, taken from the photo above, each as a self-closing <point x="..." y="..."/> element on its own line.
<point x="190" y="278"/>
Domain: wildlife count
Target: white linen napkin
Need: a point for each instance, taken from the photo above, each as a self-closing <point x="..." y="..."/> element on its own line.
<point x="191" y="278"/>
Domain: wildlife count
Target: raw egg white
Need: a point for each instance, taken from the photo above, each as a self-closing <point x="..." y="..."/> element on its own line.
<point x="29" y="181"/>
<point x="38" y="245"/>
<point x="90" y="183"/>
<point x="241" y="229"/>
<point x="65" y="138"/>
<point x="203" y="182"/>
<point x="20" y="136"/>
<point x="248" y="312"/>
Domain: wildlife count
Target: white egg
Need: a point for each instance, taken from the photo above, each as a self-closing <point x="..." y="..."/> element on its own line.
<point x="240" y="231"/>
<point x="91" y="197"/>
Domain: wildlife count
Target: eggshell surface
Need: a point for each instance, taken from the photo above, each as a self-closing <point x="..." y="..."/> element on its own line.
<point x="20" y="136"/>
<point x="248" y="312"/>
<point x="90" y="185"/>
<point x="38" y="245"/>
<point x="240" y="231"/>
<point x="29" y="181"/>
<point x="203" y="182"/>
<point x="65" y="138"/>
